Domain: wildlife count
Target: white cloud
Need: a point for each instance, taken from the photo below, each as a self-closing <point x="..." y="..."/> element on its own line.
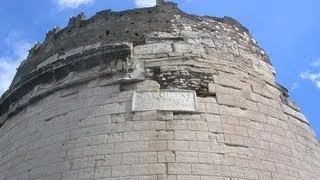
<point x="316" y="63"/>
<point x="314" y="77"/>
<point x="294" y="86"/>
<point x="7" y="71"/>
<point x="310" y="76"/>
<point x="64" y="4"/>
<point x="18" y="50"/>
<point x="145" y="3"/>
<point x="313" y="74"/>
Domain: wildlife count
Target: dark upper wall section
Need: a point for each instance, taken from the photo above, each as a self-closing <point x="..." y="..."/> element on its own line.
<point x="107" y="27"/>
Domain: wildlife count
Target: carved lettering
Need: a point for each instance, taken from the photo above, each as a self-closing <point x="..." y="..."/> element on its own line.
<point x="170" y="100"/>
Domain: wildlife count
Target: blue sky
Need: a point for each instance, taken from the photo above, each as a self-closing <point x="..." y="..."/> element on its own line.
<point x="289" y="30"/>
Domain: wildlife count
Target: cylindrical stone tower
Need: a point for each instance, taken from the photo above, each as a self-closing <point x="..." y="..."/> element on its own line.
<point x="152" y="94"/>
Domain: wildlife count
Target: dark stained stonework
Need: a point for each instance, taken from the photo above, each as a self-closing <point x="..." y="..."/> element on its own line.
<point x="106" y="27"/>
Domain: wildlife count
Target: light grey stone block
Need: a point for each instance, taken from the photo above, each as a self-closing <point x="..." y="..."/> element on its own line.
<point x="164" y="100"/>
<point x="186" y="157"/>
<point x="121" y="170"/>
<point x="156" y="48"/>
<point x="179" y="168"/>
<point x="166" y="156"/>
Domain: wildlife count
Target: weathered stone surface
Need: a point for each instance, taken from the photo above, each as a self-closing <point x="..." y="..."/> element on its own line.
<point x="152" y="94"/>
<point x="173" y="100"/>
<point x="140" y="86"/>
<point x="157" y="48"/>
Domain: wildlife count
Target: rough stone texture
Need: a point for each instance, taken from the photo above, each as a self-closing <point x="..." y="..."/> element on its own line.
<point x="174" y="100"/>
<point x="68" y="114"/>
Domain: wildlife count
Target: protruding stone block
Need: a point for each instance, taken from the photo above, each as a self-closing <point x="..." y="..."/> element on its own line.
<point x="156" y="48"/>
<point x="169" y="100"/>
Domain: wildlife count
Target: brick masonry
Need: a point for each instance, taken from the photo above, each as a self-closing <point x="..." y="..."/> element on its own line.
<point x="79" y="124"/>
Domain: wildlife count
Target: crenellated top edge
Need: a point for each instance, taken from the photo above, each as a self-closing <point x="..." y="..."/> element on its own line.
<point x="77" y="22"/>
<point x="109" y="27"/>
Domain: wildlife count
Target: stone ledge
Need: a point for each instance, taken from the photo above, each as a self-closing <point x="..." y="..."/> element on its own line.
<point x="60" y="69"/>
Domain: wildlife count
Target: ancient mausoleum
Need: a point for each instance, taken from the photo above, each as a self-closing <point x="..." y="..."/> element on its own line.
<point x="152" y="94"/>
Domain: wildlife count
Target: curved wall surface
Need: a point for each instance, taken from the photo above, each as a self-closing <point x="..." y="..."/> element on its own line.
<point x="184" y="98"/>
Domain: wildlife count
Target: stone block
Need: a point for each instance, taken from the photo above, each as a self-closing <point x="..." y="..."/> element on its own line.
<point x="156" y="48"/>
<point x="140" y="169"/>
<point x="70" y="175"/>
<point x="188" y="177"/>
<point x="131" y="136"/>
<point x="178" y="145"/>
<point x="86" y="174"/>
<point x="139" y="146"/>
<point x="167" y="177"/>
<point x="200" y="146"/>
<point x="211" y="177"/>
<point x="148" y="135"/>
<point x="71" y="52"/>
<point x="212" y="108"/>
<point x="229" y="129"/>
<point x="115" y="137"/>
<point x="237" y="171"/>
<point x="166" y="156"/>
<point x="74" y="153"/>
<point x="202" y="169"/>
<point x="50" y="60"/>
<point x="140" y="126"/>
<point x="177" y="125"/>
<point x="148" y="177"/>
<point x="232" y="120"/>
<point x="89" y="151"/>
<point x="179" y="168"/>
<point x="212" y="88"/>
<point x="165" y="116"/>
<point x="158" y="125"/>
<point x="205" y="158"/>
<point x="165" y="135"/>
<point x="188" y="48"/>
<point x="242" y="131"/>
<point x="205" y="136"/>
<point x="111" y="159"/>
<point x="92" y="46"/>
<point x="158" y="145"/>
<point x="121" y="147"/>
<point x="157" y="169"/>
<point x="130" y="158"/>
<point x="215" y="127"/>
<point x="105" y="149"/>
<point x="148" y="157"/>
<point x="185" y="135"/>
<point x="264" y="175"/>
<point x="102" y="172"/>
<point x="121" y="170"/>
<point x="251" y="173"/>
<point x="195" y="123"/>
<point x="174" y="100"/>
<point x="229" y="80"/>
<point x="92" y="140"/>
<point x="186" y="157"/>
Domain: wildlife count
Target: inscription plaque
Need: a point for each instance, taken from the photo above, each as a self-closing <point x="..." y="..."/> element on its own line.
<point x="167" y="100"/>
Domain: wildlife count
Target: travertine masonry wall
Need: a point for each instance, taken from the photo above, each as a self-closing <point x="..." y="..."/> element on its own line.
<point x="83" y="125"/>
